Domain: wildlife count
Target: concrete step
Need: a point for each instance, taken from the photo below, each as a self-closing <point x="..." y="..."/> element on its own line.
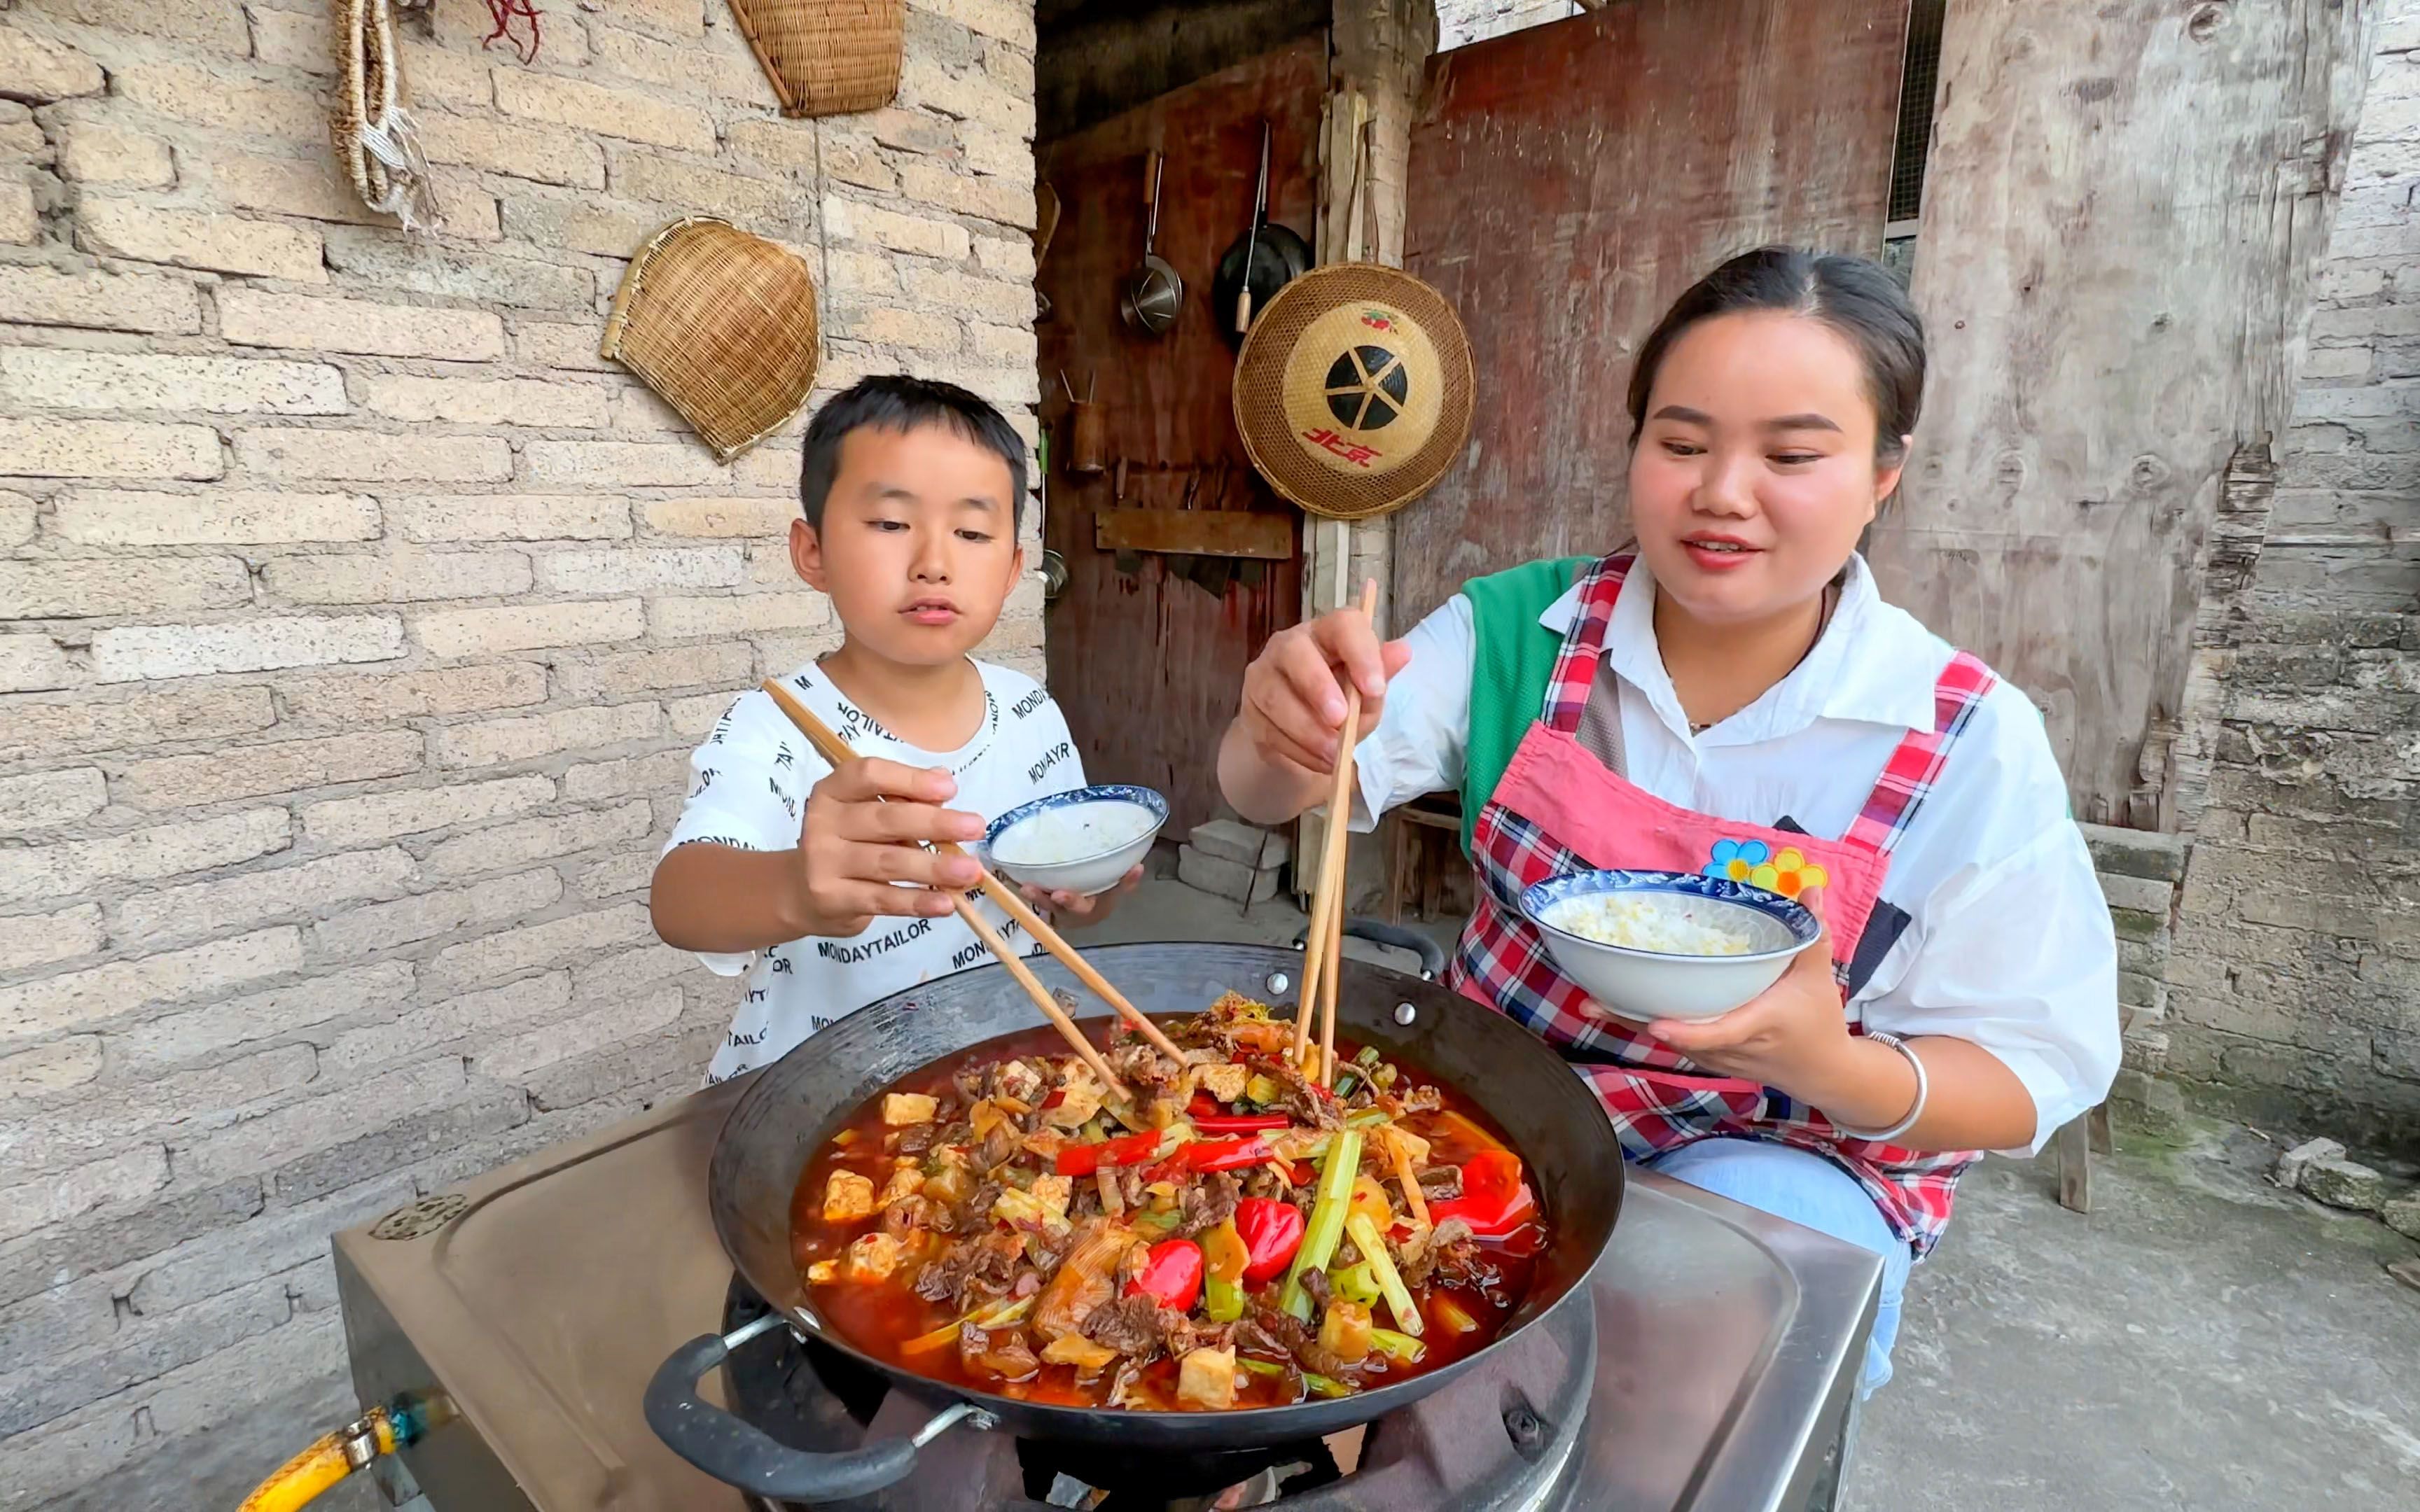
<point x="1231" y="839"/>
<point x="1223" y="878"/>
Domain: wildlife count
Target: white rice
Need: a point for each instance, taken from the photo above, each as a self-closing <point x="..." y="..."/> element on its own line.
<point x="1074" y="833"/>
<point x="1663" y="922"/>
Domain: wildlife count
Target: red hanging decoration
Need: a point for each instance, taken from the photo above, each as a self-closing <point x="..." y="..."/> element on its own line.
<point x="504" y="14"/>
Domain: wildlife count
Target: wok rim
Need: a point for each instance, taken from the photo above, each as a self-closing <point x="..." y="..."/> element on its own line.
<point x="1308" y="1418"/>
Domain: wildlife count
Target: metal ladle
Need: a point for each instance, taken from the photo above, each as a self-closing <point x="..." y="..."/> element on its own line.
<point x="1153" y="293"/>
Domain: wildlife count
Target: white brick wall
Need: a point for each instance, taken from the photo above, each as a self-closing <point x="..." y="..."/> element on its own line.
<point x="355" y="617"/>
<point x="2291" y="983"/>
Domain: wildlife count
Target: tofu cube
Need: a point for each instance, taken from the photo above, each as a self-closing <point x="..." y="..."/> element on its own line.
<point x="1225" y="1081"/>
<point x="904" y="1183"/>
<point x="1076" y="1107"/>
<point x="1090" y="1359"/>
<point x="900" y="1108"/>
<point x="872" y="1257"/>
<point x="823" y="1273"/>
<point x="1206" y="1378"/>
<point x="847" y="1197"/>
<point x="1053" y="1192"/>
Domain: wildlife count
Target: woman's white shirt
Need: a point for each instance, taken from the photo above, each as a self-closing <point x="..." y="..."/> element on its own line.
<point x="2008" y="944"/>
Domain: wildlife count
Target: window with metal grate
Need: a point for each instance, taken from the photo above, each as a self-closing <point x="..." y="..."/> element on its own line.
<point x="1919" y="78"/>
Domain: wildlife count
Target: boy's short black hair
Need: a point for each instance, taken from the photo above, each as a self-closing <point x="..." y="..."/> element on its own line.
<point x="897" y="402"/>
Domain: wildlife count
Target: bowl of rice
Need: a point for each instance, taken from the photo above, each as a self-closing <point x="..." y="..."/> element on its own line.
<point x="1668" y="945"/>
<point x="1082" y="841"/>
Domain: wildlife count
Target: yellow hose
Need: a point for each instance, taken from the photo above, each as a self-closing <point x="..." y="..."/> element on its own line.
<point x="331" y="1457"/>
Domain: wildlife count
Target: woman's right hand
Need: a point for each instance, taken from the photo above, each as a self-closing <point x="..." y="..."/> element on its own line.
<point x="1293" y="692"/>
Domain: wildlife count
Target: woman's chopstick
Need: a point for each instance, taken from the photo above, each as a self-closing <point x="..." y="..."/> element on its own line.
<point x="1322" y="957"/>
<point x="834" y="750"/>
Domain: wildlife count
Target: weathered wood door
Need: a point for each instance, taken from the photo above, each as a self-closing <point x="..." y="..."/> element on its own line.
<point x="1147" y="649"/>
<point x="1567" y="182"/>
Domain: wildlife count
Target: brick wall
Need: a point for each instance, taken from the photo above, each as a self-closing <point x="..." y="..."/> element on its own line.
<point x="2295" y="983"/>
<point x="357" y="618"/>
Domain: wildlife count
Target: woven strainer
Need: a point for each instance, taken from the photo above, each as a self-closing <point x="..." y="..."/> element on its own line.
<point x="1353" y="390"/>
<point x="723" y="325"/>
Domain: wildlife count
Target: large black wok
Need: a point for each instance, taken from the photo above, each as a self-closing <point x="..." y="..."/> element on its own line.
<point x="795" y="1104"/>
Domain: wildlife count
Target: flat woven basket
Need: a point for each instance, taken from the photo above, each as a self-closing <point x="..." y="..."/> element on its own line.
<point x="826" y="57"/>
<point x="723" y="325"/>
<point x="1353" y="390"/>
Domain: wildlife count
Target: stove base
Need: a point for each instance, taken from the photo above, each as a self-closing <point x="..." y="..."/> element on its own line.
<point x="1500" y="1438"/>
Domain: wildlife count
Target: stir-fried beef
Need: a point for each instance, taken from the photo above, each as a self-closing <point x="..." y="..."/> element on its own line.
<point x="1300" y="1100"/>
<point x="998" y="1148"/>
<point x="1142" y="1067"/>
<point x="1209" y="1203"/>
<point x="1265" y="1331"/>
<point x="1264" y="1183"/>
<point x="1129" y="1326"/>
<point x="1004" y="1353"/>
<point x="969" y="1080"/>
<point x="976" y="1214"/>
<point x="1441" y="1183"/>
<point x="919" y="1137"/>
<point x="969" y="1273"/>
<point x="1451" y="1258"/>
<point x="1315" y="1286"/>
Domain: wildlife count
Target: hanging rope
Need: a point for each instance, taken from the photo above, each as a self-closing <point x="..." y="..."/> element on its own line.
<point x="503" y="13"/>
<point x="375" y="135"/>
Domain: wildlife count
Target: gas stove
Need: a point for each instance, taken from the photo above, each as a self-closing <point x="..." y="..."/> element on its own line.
<point x="1707" y="1365"/>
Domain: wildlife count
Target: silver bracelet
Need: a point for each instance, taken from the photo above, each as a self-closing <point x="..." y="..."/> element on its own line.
<point x="1923" y="1091"/>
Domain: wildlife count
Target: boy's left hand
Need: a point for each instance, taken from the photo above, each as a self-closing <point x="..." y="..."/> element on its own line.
<point x="1075" y="908"/>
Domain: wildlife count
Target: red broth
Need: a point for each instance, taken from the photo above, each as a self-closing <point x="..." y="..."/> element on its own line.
<point x="879" y="1318"/>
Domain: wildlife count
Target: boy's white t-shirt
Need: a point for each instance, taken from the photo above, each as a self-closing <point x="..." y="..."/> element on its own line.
<point x="748" y="789"/>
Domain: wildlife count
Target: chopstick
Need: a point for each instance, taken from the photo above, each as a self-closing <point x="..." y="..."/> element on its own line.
<point x="1322" y="946"/>
<point x="835" y="751"/>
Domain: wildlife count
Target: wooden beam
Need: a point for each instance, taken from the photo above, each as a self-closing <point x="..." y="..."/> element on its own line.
<point x="2123" y="208"/>
<point x="1196" y="533"/>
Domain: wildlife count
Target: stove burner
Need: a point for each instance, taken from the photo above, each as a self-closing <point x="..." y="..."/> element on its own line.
<point x="1500" y="1438"/>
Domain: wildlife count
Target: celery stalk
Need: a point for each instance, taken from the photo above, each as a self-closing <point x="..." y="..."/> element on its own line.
<point x="1400" y="1347"/>
<point x="1373" y="1246"/>
<point x="1327" y="1224"/>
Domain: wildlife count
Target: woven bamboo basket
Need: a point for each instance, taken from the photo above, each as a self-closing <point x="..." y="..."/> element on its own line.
<point x="721" y="324"/>
<point x="826" y="57"/>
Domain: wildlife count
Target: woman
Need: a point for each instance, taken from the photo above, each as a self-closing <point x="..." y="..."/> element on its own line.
<point x="1730" y="694"/>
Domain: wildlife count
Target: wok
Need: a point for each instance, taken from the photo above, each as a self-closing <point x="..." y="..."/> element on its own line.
<point x="799" y="1101"/>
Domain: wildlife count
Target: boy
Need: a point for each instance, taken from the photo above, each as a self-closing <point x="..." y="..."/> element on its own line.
<point x="795" y="875"/>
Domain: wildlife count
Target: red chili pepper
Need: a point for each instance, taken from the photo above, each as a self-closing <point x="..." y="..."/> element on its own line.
<point x="1083" y="1160"/>
<point x="1272" y="1232"/>
<point x="1226" y="1154"/>
<point x="1057" y="1095"/>
<point x="1202" y="1107"/>
<point x="1494" y="1200"/>
<point x="1239" y="1122"/>
<point x="1171" y="1276"/>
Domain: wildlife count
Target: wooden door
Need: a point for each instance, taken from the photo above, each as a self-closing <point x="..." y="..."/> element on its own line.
<point x="1147" y="649"/>
<point x="1568" y="183"/>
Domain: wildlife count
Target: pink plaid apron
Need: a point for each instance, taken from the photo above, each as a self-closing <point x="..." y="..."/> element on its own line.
<point x="1558" y="809"/>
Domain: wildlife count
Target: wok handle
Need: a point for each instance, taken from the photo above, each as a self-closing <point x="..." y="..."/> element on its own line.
<point x="1431" y="953"/>
<point x="739" y="1454"/>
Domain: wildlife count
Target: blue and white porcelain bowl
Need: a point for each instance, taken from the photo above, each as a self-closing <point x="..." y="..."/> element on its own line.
<point x="1082" y="841"/>
<point x="1668" y="945"/>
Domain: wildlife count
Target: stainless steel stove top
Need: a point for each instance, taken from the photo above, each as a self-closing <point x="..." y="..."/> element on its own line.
<point x="539" y="1299"/>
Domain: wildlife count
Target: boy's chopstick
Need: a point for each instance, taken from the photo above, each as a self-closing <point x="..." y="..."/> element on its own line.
<point x="833" y="749"/>
<point x="1322" y="946"/>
